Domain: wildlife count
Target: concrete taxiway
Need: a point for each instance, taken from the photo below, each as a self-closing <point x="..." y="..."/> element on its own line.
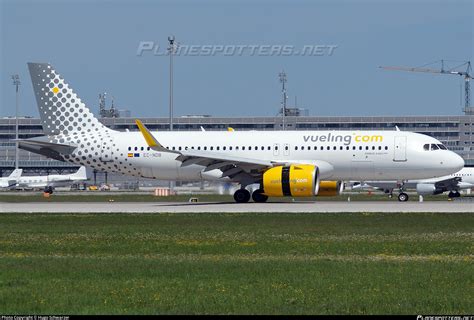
<point x="162" y="207"/>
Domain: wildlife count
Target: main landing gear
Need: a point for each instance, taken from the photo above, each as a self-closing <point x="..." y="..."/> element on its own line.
<point x="48" y="189"/>
<point x="243" y="195"/>
<point x="454" y="194"/>
<point x="258" y="196"/>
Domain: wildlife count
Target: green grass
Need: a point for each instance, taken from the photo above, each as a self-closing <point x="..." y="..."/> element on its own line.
<point x="416" y="263"/>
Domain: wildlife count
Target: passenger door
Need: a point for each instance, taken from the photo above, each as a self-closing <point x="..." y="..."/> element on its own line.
<point x="400" y="149"/>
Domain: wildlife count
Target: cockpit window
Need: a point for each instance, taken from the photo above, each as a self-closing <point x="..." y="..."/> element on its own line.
<point x="426" y="147"/>
<point x="434" y="147"/>
<point x="442" y="147"/>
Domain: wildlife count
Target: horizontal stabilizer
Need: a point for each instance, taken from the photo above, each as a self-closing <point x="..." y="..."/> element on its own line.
<point x="40" y="142"/>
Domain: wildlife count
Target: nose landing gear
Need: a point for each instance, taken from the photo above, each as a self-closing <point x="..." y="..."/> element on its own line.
<point x="403" y="197"/>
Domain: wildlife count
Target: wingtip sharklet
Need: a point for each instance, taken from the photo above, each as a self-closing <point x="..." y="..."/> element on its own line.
<point x="149" y="138"/>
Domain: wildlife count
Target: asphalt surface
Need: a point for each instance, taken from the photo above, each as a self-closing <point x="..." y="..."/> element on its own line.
<point x="319" y="206"/>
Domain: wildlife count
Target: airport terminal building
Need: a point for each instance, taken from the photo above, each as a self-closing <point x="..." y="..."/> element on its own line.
<point x="456" y="132"/>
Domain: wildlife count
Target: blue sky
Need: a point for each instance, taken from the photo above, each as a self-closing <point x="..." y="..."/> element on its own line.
<point x="93" y="45"/>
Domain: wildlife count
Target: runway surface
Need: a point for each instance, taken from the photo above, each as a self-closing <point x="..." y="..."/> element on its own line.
<point x="161" y="207"/>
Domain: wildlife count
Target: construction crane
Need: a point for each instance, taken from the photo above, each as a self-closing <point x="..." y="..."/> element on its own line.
<point x="466" y="74"/>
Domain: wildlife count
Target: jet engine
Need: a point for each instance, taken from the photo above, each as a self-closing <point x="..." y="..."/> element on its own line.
<point x="428" y="188"/>
<point x="297" y="180"/>
<point x="330" y="188"/>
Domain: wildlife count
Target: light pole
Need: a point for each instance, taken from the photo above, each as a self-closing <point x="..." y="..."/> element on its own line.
<point x="282" y="76"/>
<point x="171" y="51"/>
<point x="16" y="83"/>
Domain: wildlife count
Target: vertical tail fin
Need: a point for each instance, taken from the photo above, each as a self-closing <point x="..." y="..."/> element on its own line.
<point x="80" y="174"/>
<point x="16" y="173"/>
<point x="62" y="112"/>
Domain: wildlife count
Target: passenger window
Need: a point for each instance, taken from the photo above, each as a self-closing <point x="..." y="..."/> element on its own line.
<point x="236" y="147"/>
<point x="179" y="148"/>
<point x="315" y="148"/>
<point x="205" y="148"/>
<point x="373" y="147"/>
<point x="296" y="148"/>
<point x="347" y="148"/>
<point x="366" y="147"/>
<point x="129" y="148"/>
<point x="230" y="148"/>
<point x="262" y="148"/>
<point x="142" y="148"/>
<point x="148" y="148"/>
<point x="137" y="148"/>
<point x="353" y="147"/>
<point x="380" y="147"/>
<point x="286" y="147"/>
<point x="217" y="148"/>
<point x="360" y="147"/>
<point x="334" y="148"/>
<point x="212" y="148"/>
<point x="328" y="148"/>
<point x="276" y="147"/>
<point x="386" y="148"/>
<point x="243" y="148"/>
<point x="269" y="148"/>
<point x="341" y="147"/>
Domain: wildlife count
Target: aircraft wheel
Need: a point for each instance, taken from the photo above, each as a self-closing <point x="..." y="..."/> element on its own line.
<point x="242" y="196"/>
<point x="258" y="196"/>
<point x="403" y="197"/>
<point x="48" y="190"/>
<point x="456" y="194"/>
<point x="451" y="194"/>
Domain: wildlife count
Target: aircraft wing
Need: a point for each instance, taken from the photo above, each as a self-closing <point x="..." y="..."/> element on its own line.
<point x="448" y="184"/>
<point x="231" y="166"/>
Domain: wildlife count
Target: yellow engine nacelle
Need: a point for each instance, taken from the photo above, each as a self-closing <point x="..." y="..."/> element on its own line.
<point x="330" y="188"/>
<point x="295" y="180"/>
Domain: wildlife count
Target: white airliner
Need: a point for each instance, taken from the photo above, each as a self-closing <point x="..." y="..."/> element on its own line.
<point x="11" y="180"/>
<point x="284" y="163"/>
<point x="463" y="179"/>
<point x="51" y="181"/>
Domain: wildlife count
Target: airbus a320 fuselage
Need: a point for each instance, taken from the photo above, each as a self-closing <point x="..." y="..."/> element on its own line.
<point x="284" y="163"/>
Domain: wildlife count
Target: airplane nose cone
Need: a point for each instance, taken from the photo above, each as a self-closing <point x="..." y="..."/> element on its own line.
<point x="456" y="162"/>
